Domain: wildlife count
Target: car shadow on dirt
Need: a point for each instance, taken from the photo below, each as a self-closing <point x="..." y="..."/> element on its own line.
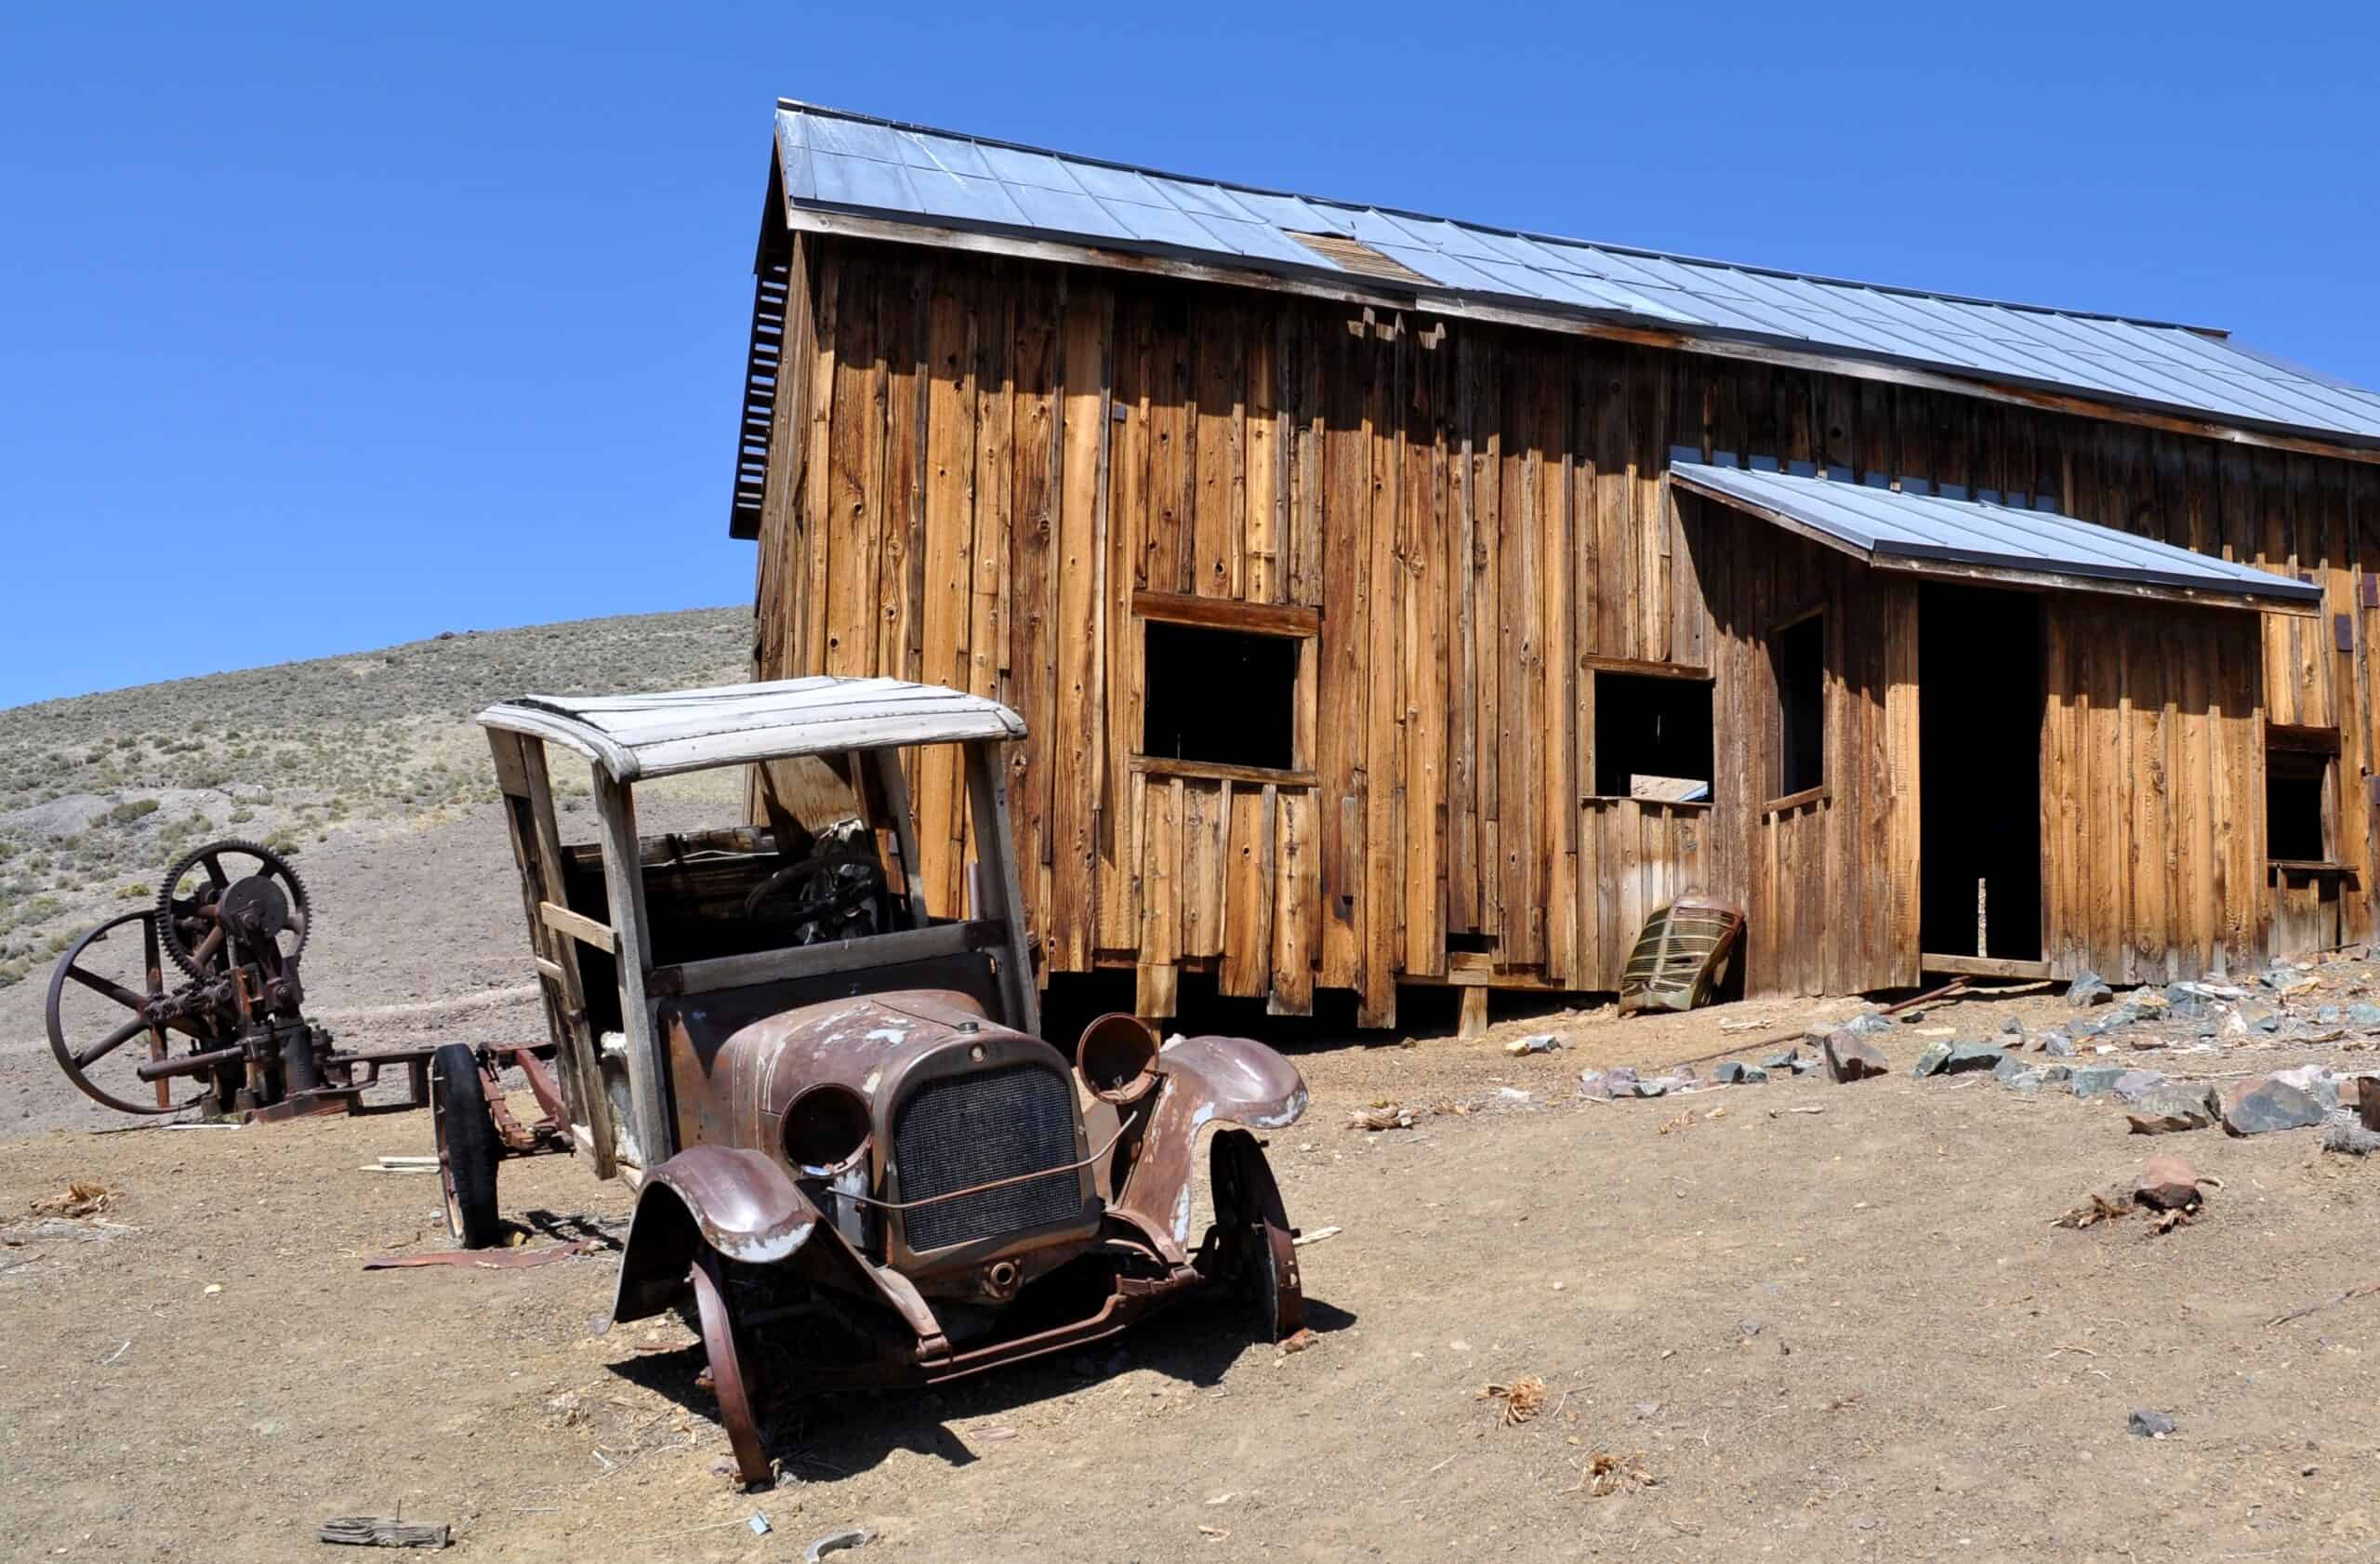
<point x="823" y="1436"/>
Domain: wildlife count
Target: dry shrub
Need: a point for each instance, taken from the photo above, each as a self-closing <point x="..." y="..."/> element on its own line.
<point x="1606" y="1473"/>
<point x="1524" y="1399"/>
<point x="80" y="1200"/>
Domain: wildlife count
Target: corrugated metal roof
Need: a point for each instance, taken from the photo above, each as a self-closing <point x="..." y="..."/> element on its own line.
<point x="691" y="730"/>
<point x="833" y="161"/>
<point x="1888" y="525"/>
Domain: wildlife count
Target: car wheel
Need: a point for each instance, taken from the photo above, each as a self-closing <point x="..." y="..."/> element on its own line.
<point x="466" y="1149"/>
<point x="1261" y="1252"/>
<point x="715" y="1317"/>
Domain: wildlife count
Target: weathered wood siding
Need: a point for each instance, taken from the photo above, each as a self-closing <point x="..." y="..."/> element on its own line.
<point x="987" y="458"/>
<point x="2153" y="804"/>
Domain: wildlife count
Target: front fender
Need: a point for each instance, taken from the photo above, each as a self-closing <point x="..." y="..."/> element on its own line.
<point x="741" y="1204"/>
<point x="1203" y="1080"/>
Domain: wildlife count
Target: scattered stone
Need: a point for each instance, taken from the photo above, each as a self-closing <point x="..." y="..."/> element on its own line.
<point x="1594" y="1083"/>
<point x="2014" y="1025"/>
<point x="2152" y="1425"/>
<point x="1867" y="1023"/>
<point x="2057" y="1045"/>
<point x="2054" y="1075"/>
<point x="2253" y="1016"/>
<point x="2363" y="1014"/>
<point x="2167" y="1183"/>
<point x="2149" y="1001"/>
<point x="1850" y="1056"/>
<point x="1787" y="1060"/>
<point x="2094" y="1081"/>
<point x="1536" y="1043"/>
<point x="2316" y="1080"/>
<point x="2022" y="1079"/>
<point x="1805" y="1065"/>
<point x="2344" y="1133"/>
<point x="2172" y="1110"/>
<point x="1911" y="1017"/>
<point x="2133" y="1085"/>
<point x="1957" y="1058"/>
<point x="2009" y="1066"/>
<point x="2262" y="1107"/>
<point x="1734" y="1072"/>
<point x="2087" y="989"/>
<point x="2329" y="1015"/>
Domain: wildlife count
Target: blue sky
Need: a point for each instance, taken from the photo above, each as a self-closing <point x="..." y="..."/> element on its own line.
<point x="329" y="327"/>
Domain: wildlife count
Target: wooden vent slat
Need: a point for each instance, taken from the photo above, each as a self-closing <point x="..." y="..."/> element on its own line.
<point x="753" y="434"/>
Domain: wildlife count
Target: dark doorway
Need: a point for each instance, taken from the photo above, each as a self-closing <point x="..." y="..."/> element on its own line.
<point x="1979" y="773"/>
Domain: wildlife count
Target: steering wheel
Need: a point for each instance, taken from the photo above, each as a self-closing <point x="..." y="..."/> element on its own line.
<point x="829" y="883"/>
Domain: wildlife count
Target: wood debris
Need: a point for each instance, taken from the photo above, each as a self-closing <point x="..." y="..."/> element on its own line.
<point x="2098" y="1209"/>
<point x="1381" y="1116"/>
<point x="2363" y="1290"/>
<point x="80" y="1200"/>
<point x="1524" y="1399"/>
<point x="371" y="1530"/>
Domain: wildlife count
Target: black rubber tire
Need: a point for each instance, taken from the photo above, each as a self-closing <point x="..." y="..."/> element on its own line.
<point x="467" y="1147"/>
<point x="1264" y="1266"/>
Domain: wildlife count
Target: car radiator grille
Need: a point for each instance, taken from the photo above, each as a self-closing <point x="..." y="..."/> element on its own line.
<point x="960" y="1131"/>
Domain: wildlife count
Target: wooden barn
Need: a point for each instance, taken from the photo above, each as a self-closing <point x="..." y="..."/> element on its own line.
<point x="1395" y="601"/>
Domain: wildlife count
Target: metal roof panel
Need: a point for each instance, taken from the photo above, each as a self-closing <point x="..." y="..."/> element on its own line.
<point x="899" y="172"/>
<point x="1888" y="525"/>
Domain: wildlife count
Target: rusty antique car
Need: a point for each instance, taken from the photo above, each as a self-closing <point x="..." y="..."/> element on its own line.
<point x="854" y="1155"/>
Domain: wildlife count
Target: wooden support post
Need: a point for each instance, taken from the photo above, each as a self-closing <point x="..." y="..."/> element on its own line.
<point x="895" y="786"/>
<point x="536" y="847"/>
<point x="996" y="852"/>
<point x="623" y="880"/>
<point x="1474" y="1014"/>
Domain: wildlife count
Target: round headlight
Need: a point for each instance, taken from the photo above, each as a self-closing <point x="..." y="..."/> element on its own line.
<point x="826" y="1130"/>
<point x="1118" y="1057"/>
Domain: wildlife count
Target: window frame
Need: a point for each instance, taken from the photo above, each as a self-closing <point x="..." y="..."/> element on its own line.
<point x="1283" y="621"/>
<point x="2313" y="752"/>
<point x="1594" y="670"/>
<point x="1783" y="797"/>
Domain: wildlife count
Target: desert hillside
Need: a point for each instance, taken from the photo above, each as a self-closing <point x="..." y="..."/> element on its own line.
<point x="99" y="793"/>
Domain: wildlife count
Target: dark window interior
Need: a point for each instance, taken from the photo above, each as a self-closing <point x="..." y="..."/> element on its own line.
<point x="1220" y="695"/>
<point x="2293" y="789"/>
<point x="1799" y="653"/>
<point x="1651" y="726"/>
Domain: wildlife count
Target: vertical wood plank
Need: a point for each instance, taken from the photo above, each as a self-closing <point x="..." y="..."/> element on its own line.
<point x="1081" y="561"/>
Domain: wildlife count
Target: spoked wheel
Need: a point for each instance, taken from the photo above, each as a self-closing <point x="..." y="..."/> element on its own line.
<point x="130" y="1005"/>
<point x="1260" y="1251"/>
<point x="727" y="1382"/>
<point x="232" y="891"/>
<point x="466" y="1149"/>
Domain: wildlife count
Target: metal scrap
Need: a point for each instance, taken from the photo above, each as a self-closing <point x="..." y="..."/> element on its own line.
<point x="487" y="1259"/>
<point x="835" y="1542"/>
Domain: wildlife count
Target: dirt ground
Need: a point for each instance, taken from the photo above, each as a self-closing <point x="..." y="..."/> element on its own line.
<point x="1848" y="1332"/>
